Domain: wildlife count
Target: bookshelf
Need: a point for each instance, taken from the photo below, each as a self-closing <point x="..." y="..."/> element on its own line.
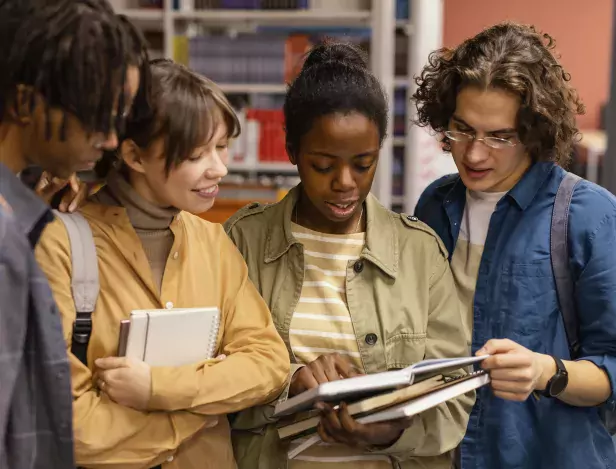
<point x="398" y="48"/>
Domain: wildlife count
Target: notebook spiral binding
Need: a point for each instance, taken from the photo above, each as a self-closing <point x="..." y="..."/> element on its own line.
<point x="450" y="379"/>
<point x="214" y="337"/>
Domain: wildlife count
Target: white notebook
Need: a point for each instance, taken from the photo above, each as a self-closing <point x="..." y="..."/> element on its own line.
<point x="172" y="337"/>
<point x="367" y="385"/>
<point x="413" y="407"/>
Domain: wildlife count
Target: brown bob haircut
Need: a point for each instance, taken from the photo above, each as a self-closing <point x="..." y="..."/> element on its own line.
<point x="511" y="57"/>
<point x="184" y="108"/>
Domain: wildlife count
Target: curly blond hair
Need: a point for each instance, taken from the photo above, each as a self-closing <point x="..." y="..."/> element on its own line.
<point x="515" y="58"/>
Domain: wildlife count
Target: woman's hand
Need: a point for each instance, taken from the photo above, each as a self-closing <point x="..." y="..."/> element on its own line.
<point x="340" y="427"/>
<point x="47" y="187"/>
<point x="515" y="371"/>
<point x="329" y="367"/>
<point x="126" y="381"/>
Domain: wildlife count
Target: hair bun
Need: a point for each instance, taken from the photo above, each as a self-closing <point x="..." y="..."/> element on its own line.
<point x="336" y="52"/>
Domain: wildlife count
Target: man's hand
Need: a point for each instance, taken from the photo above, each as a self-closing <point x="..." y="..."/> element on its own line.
<point x="48" y="186"/>
<point x="330" y="367"/>
<point x="340" y="427"/>
<point x="126" y="381"/>
<point x="514" y="370"/>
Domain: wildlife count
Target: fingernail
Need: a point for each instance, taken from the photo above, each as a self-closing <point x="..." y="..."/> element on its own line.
<point x="481" y="351"/>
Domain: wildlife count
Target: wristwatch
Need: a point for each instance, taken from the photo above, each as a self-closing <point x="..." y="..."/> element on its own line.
<point x="557" y="383"/>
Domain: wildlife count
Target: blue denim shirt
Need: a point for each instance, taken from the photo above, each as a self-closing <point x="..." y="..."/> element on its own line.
<point x="516" y="298"/>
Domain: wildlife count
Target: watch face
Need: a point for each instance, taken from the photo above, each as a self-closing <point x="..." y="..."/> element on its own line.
<point x="559" y="383"/>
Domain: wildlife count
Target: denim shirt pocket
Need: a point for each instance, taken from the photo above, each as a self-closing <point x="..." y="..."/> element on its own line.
<point x="529" y="301"/>
<point x="404" y="349"/>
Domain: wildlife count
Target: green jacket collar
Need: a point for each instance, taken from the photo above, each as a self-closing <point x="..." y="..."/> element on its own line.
<point x="381" y="238"/>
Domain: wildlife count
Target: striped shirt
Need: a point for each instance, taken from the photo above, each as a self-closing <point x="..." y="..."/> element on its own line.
<point x="321" y="324"/>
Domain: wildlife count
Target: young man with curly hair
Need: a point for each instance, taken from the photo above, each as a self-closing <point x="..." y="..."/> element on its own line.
<point x="506" y="112"/>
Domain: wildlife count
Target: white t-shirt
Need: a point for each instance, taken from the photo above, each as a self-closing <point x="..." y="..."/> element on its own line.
<point x="469" y="247"/>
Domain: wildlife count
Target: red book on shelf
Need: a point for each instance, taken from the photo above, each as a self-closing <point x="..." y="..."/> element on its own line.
<point x="271" y="134"/>
<point x="296" y="47"/>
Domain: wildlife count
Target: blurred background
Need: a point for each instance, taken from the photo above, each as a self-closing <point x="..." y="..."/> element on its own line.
<point x="252" y="48"/>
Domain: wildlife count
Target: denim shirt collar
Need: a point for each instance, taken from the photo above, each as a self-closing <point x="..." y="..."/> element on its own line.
<point x="523" y="193"/>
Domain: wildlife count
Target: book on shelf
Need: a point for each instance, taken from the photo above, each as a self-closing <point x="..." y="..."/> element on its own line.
<point x="170" y="337"/>
<point x="401" y="404"/>
<point x="372" y="384"/>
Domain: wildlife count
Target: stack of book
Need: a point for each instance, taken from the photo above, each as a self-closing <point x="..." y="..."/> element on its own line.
<point x="380" y="397"/>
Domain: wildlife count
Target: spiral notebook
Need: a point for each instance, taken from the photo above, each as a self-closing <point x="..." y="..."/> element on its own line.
<point x="170" y="337"/>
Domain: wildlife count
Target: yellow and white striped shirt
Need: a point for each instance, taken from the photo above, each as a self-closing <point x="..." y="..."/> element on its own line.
<point x="321" y="324"/>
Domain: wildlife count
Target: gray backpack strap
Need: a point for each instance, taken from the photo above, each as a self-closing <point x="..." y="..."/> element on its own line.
<point x="84" y="279"/>
<point x="559" y="253"/>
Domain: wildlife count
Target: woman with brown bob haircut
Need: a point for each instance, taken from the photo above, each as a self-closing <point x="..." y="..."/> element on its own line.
<point x="153" y="253"/>
<point x="505" y="109"/>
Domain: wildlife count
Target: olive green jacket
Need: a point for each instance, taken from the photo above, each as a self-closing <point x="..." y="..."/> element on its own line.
<point x="404" y="307"/>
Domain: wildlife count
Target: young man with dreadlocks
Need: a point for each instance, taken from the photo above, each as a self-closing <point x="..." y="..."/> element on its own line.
<point x="66" y="85"/>
<point x="506" y="111"/>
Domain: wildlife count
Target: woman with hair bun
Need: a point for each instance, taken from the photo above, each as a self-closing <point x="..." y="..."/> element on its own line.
<point x="353" y="287"/>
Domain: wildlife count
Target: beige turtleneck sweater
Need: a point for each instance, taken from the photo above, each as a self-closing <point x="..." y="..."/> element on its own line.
<point x="151" y="222"/>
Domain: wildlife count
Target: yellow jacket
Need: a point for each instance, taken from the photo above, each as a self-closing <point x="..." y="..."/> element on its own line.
<point x="403" y="305"/>
<point x="186" y="426"/>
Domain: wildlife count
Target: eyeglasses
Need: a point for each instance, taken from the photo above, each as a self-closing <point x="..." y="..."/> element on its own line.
<point x="492" y="142"/>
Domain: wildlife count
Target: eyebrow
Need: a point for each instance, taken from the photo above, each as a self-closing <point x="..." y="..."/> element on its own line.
<point x="508" y="130"/>
<point x="329" y="155"/>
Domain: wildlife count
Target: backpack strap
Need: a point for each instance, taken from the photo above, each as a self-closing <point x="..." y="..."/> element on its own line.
<point x="84" y="280"/>
<point x="559" y="254"/>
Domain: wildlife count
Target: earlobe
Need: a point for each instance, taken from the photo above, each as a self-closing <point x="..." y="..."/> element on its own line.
<point x="132" y="156"/>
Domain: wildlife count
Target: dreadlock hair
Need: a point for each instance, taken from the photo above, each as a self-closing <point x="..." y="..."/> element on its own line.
<point x="141" y="109"/>
<point x="74" y="53"/>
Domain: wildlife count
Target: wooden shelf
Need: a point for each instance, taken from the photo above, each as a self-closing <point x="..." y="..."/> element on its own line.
<point x="142" y="14"/>
<point x="264" y="167"/>
<point x="277" y="17"/>
<point x="399" y="141"/>
<point x="248" y="88"/>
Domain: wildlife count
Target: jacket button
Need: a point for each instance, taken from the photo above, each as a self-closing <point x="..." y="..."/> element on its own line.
<point x="412" y="218"/>
<point x="371" y="338"/>
<point x="358" y="266"/>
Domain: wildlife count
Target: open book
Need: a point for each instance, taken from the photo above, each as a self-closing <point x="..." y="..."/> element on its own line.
<point x="394" y="406"/>
<point x="369" y="385"/>
<point x="170" y="337"/>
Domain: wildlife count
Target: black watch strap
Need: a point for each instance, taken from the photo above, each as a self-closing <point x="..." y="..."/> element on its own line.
<point x="558" y="382"/>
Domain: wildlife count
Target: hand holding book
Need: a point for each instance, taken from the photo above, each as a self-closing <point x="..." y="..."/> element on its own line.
<point x="383" y="404"/>
<point x="126" y="381"/>
<point x="338" y="426"/>
<point x="326" y="368"/>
